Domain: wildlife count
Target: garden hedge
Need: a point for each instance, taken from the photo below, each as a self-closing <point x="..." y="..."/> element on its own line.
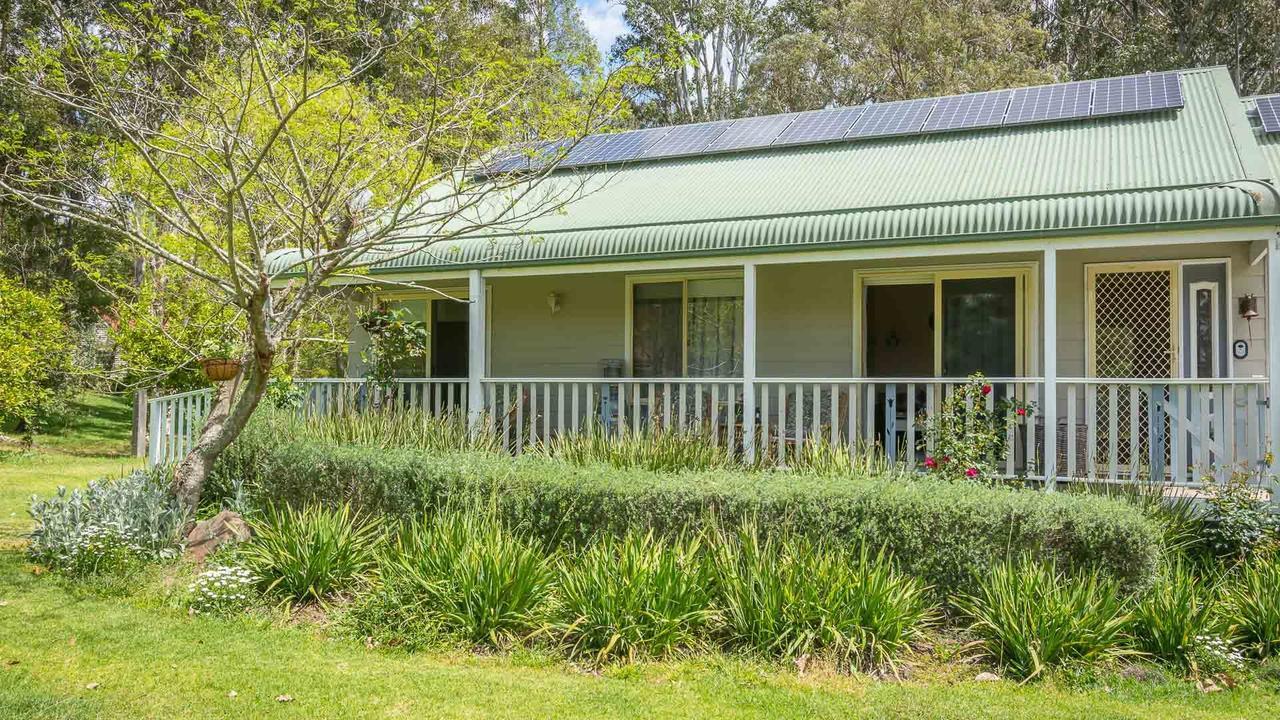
<point x="946" y="533"/>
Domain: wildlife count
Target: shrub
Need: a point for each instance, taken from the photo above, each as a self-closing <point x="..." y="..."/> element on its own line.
<point x="1170" y="616"/>
<point x="1251" y="606"/>
<point x="312" y="553"/>
<point x="1029" y="616"/>
<point x="791" y="596"/>
<point x="969" y="438"/>
<point x="222" y="589"/>
<point x="466" y="575"/>
<point x="108" y="525"/>
<point x="635" y="595"/>
<point x="947" y="534"/>
<point x="1213" y="656"/>
<point x="1238" y="522"/>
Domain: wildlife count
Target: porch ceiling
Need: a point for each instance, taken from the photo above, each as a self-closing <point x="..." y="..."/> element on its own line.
<point x="1118" y="173"/>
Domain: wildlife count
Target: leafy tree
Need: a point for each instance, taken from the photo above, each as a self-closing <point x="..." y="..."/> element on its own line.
<point x="852" y="51"/>
<point x="1099" y="38"/>
<point x="701" y="52"/>
<point x="35" y="355"/>
<point x="312" y="127"/>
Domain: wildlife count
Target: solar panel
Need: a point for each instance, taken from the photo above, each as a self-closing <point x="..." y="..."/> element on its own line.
<point x="1049" y="102"/>
<point x="816" y="126"/>
<point x="629" y="145"/>
<point x="1269" y="111"/>
<point x="751" y="133"/>
<point x="1137" y="93"/>
<point x="530" y="156"/>
<point x="587" y="150"/>
<point x="975" y="110"/>
<point x="687" y="139"/>
<point x="904" y="117"/>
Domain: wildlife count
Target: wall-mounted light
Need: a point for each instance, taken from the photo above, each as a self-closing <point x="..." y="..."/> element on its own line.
<point x="553" y="302"/>
<point x="1249" y="306"/>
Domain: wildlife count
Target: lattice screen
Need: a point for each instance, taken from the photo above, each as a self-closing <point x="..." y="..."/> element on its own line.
<point x="1133" y="338"/>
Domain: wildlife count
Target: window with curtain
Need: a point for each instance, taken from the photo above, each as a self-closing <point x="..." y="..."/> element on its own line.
<point x="687" y="328"/>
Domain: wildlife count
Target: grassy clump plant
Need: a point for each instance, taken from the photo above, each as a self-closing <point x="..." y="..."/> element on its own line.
<point x="313" y="553"/>
<point x="635" y="595"/>
<point x="789" y="596"/>
<point x="1169" y="616"/>
<point x="1251" y="606"/>
<point x="464" y="575"/>
<point x="654" y="449"/>
<point x="1030" y="616"/>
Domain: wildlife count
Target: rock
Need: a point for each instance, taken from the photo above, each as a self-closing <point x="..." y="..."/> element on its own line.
<point x="284" y="698"/>
<point x="211" y="534"/>
<point x="232" y="694"/>
<point x="987" y="677"/>
<point x="91" y="686"/>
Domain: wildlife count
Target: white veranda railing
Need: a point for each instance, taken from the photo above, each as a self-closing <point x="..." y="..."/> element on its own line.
<point x="1174" y="431"/>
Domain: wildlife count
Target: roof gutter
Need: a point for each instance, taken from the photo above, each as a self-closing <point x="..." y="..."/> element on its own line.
<point x="1252" y="221"/>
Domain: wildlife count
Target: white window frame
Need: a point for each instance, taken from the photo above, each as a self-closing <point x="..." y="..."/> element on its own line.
<point x="1025" y="305"/>
<point x="1215" y="332"/>
<point x="680" y="277"/>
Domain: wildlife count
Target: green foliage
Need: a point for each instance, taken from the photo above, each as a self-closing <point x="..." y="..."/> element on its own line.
<point x="394" y="336"/>
<point x="311" y="554"/>
<point x="108" y="526"/>
<point x="968" y="434"/>
<point x="1238" y="521"/>
<point x="947" y="534"/>
<point x="1251" y="606"/>
<point x="387" y="427"/>
<point x="1170" y="615"/>
<point x="786" y="595"/>
<point x="35" y="355"/>
<point x="637" y="595"/>
<point x="462" y="574"/>
<point x="651" y="449"/>
<point x="1030" y="616"/>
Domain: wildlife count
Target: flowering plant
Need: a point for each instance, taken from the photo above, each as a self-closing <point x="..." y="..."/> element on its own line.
<point x="222" y="589"/>
<point x="1212" y="656"/>
<point x="968" y="432"/>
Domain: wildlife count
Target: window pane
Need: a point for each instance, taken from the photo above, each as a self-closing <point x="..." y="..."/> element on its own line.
<point x="1205" y="340"/>
<point x="979" y="330"/>
<point x="655" y="341"/>
<point x="715" y="328"/>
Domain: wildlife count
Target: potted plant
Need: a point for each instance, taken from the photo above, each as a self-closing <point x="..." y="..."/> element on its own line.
<point x="221" y="358"/>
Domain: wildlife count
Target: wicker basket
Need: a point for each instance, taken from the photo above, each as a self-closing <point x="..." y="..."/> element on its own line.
<point x="1081" y="438"/>
<point x="220" y="369"/>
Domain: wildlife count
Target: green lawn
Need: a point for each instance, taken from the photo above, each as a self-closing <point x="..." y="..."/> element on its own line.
<point x="149" y="659"/>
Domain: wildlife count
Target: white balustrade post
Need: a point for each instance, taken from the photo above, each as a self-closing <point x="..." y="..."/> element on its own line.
<point x="748" y="360"/>
<point x="1049" y="334"/>
<point x="1273" y="348"/>
<point x="477" y="306"/>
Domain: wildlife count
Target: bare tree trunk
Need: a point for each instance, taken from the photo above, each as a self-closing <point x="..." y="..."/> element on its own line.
<point x="233" y="405"/>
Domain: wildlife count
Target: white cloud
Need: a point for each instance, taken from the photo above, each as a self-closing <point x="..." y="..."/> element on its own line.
<point x="603" y="19"/>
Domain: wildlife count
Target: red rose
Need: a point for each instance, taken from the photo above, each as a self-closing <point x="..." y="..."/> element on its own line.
<point x="930" y="463"/>
<point x="1021" y="411"/>
<point x="971" y="472"/>
<point x="986" y="389"/>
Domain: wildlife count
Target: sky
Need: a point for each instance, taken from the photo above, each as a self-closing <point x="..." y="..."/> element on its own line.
<point x="604" y="21"/>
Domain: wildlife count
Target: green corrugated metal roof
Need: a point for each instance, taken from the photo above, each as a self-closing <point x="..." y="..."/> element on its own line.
<point x="1268" y="145"/>
<point x="1102" y="174"/>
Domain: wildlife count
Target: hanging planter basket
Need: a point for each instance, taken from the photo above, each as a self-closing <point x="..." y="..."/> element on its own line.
<point x="220" y="369"/>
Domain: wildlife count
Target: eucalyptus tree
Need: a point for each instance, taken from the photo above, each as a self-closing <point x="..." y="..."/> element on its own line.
<point x="315" y="127"/>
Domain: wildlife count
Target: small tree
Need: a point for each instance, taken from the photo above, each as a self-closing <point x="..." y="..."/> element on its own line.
<point x="241" y="131"/>
<point x="35" y="355"/>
